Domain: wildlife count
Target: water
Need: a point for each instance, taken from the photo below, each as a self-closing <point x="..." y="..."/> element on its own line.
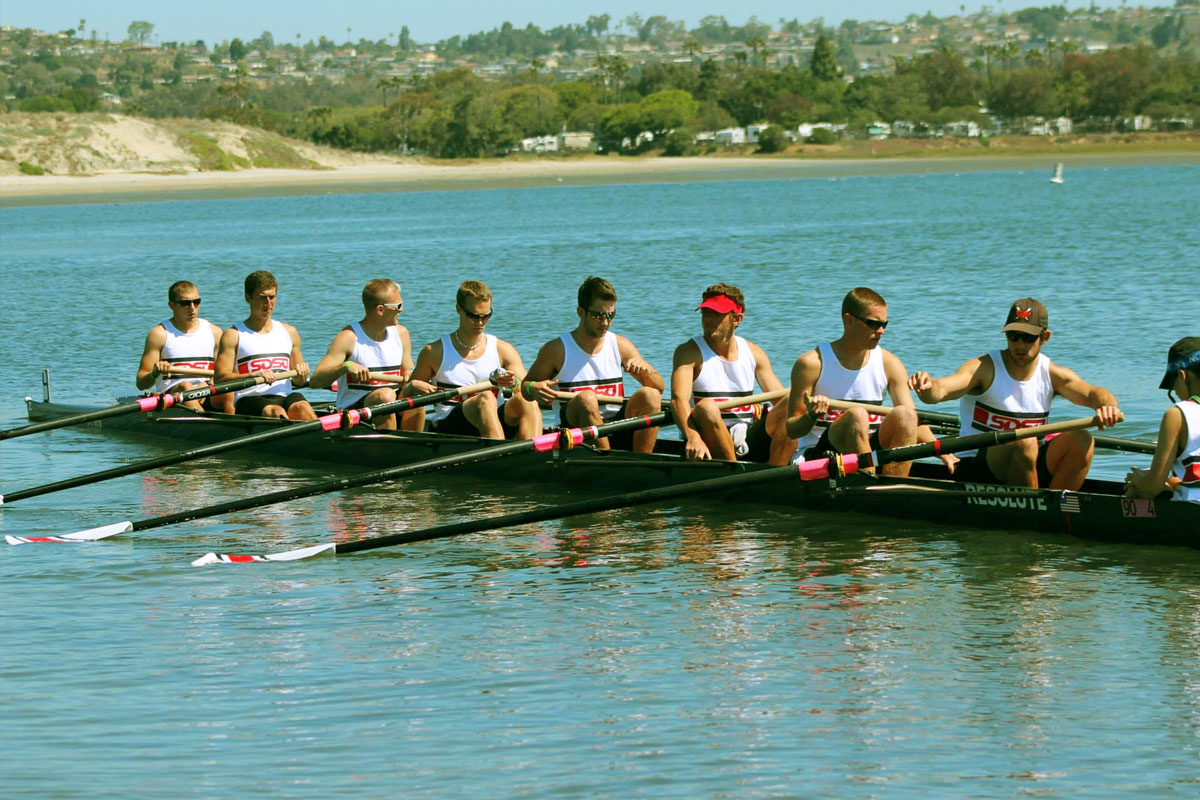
<point x="682" y="651"/>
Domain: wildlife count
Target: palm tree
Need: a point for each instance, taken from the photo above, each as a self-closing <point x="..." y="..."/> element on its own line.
<point x="757" y="45"/>
<point x="692" y="48"/>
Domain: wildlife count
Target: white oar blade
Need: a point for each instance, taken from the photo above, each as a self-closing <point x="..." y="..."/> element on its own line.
<point x="290" y="555"/>
<point x="90" y="535"/>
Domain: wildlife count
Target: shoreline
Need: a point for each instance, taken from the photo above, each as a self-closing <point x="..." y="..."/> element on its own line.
<point x="523" y="174"/>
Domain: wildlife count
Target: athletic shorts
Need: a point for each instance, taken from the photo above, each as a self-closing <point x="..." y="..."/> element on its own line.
<point x="253" y="405"/>
<point x="457" y="424"/>
<point x="976" y="470"/>
<point x="823" y="448"/>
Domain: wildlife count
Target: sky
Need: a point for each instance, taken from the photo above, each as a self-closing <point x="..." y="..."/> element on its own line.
<point x="218" y="20"/>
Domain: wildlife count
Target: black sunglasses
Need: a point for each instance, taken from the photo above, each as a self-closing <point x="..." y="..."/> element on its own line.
<point x="1027" y="338"/>
<point x="608" y="315"/>
<point x="873" y="324"/>
<point x="195" y="302"/>
<point x="477" y="317"/>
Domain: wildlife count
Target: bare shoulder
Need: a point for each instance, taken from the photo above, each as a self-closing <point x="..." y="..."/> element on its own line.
<point x="158" y="336"/>
<point x="688" y="351"/>
<point x="291" y="329"/>
<point x="892" y="362"/>
<point x="809" y="359"/>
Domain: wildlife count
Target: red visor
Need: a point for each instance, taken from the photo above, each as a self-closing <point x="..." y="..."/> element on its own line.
<point x="720" y="304"/>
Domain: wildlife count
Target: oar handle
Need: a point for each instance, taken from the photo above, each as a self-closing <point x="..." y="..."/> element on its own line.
<point x="199" y="373"/>
<point x="383" y="377"/>
<point x="762" y="397"/>
<point x="600" y="398"/>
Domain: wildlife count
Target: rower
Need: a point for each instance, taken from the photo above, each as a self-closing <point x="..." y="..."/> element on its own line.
<point x="466" y="356"/>
<point x="853" y="367"/>
<point x="185" y="340"/>
<point x="1013" y="388"/>
<point x="377" y="343"/>
<point x="719" y="365"/>
<point x="589" y="361"/>
<point x="1175" y="467"/>
<point x="263" y="346"/>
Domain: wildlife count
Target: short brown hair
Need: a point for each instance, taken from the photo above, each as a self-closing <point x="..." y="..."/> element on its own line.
<point x="259" y="279"/>
<point x="727" y="289"/>
<point x="858" y="300"/>
<point x="375" y="292"/>
<point x="596" y="289"/>
<point x="473" y="290"/>
<point x="176" y="288"/>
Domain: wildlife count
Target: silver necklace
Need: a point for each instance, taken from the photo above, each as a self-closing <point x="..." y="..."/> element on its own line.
<point x="462" y="344"/>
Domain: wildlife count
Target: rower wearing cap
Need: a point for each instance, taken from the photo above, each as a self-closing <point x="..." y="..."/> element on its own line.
<point x="1175" y="467"/>
<point x="853" y="367"/>
<point x="378" y="344"/>
<point x="262" y="345"/>
<point x="1012" y="388"/>
<point x="467" y="356"/>
<point x="589" y="361"/>
<point x="185" y="340"/>
<point x="720" y="365"/>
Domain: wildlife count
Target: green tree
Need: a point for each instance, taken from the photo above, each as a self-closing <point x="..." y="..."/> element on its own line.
<point x="139" y="31"/>
<point x="237" y="50"/>
<point x="532" y="110"/>
<point x="664" y="111"/>
<point x="824" y="60"/>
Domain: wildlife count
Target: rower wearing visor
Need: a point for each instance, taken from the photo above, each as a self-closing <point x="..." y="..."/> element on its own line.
<point x="1013" y="388"/>
<point x="854" y="367"/>
<point x="377" y="344"/>
<point x="262" y="345"/>
<point x="1175" y="467"/>
<point x="590" y="362"/>
<point x="466" y="356"/>
<point x="187" y="341"/>
<point x="720" y="365"/>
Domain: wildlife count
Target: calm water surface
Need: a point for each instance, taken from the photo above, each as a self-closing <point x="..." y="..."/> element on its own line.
<point x="685" y="651"/>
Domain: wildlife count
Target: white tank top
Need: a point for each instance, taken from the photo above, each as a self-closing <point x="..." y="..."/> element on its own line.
<point x="601" y="372"/>
<point x="1008" y="404"/>
<point x="458" y="371"/>
<point x="1187" y="465"/>
<point x="258" y="351"/>
<point x="719" y="379"/>
<point x="194" y="350"/>
<point x="865" y="385"/>
<point x="386" y="357"/>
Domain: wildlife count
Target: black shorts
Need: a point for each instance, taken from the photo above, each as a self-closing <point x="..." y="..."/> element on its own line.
<point x="976" y="470"/>
<point x="622" y="440"/>
<point x="457" y="424"/>
<point x="758" y="441"/>
<point x="253" y="405"/>
<point x="823" y="448"/>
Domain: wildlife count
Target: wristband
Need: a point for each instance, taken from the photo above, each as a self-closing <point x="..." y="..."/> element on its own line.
<point x="808" y="412"/>
<point x="524" y="386"/>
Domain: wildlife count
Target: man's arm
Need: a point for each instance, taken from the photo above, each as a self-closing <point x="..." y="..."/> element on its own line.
<point x="152" y="363"/>
<point x="539" y="382"/>
<point x="336" y="361"/>
<point x="684" y="366"/>
<point x="510" y="359"/>
<point x="428" y="362"/>
<point x="226" y="369"/>
<point x="633" y="363"/>
<point x="1171" y="440"/>
<point x="763" y="372"/>
<point x="297" y="358"/>
<point x="1082" y="393"/>
<point x="805" y="372"/>
<point x="897" y="380"/>
<point x="406" y="342"/>
<point x="973" y="376"/>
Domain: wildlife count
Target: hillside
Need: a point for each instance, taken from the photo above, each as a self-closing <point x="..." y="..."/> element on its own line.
<point x="100" y="143"/>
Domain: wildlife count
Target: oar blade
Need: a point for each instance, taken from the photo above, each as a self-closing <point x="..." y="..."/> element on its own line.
<point x="89" y="535"/>
<point x="290" y="555"/>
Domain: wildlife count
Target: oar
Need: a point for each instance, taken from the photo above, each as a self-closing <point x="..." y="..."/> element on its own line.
<point x="805" y="471"/>
<point x="600" y="398"/>
<point x="329" y="422"/>
<point x="199" y="373"/>
<point x="153" y="402"/>
<point x="1101" y="440"/>
<point x="563" y="439"/>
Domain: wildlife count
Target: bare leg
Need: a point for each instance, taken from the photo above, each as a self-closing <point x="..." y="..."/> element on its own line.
<point x="525" y="415"/>
<point x="783" y="448"/>
<point x="706" y="420"/>
<point x="412" y="420"/>
<point x="898" y="429"/>
<point x="1015" y="463"/>
<point x="644" y="402"/>
<point x="1068" y="457"/>
<point x="482" y="412"/>
<point x="302" y="412"/>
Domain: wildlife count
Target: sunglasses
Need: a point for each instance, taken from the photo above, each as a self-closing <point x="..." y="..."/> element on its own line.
<point x="195" y="302"/>
<point x="1027" y="338"/>
<point x="605" y="315"/>
<point x="477" y="317"/>
<point x="394" y="306"/>
<point x="873" y="324"/>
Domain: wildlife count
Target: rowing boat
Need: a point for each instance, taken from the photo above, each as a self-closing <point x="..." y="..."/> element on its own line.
<point x="1097" y="511"/>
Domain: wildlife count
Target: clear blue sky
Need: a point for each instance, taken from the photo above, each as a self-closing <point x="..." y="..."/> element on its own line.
<point x="216" y="20"/>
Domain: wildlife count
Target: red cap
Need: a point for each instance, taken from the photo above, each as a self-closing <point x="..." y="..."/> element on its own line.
<point x="721" y="304"/>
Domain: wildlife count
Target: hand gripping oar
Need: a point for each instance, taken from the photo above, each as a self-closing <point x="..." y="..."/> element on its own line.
<point x="936" y="417"/>
<point x="341" y="419"/>
<point x="563" y="439"/>
<point x="153" y="402"/>
<point x="806" y="471"/>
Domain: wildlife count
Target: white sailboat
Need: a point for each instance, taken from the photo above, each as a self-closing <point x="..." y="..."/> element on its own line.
<point x="1057" y="177"/>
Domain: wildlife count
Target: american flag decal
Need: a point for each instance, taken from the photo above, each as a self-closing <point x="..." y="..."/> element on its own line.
<point x="1069" y="503"/>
